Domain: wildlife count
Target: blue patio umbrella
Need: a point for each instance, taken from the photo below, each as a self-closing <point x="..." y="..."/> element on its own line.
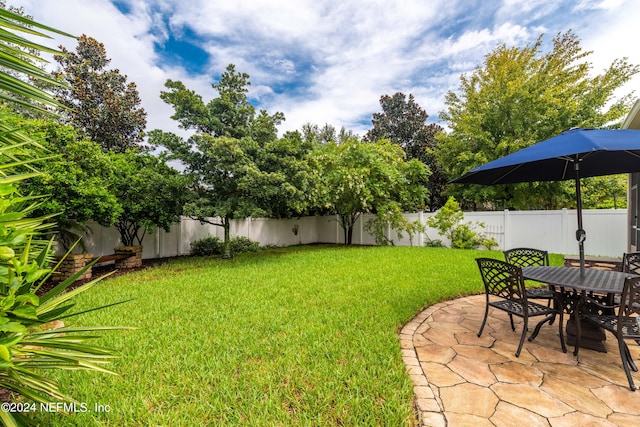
<point x="574" y="154"/>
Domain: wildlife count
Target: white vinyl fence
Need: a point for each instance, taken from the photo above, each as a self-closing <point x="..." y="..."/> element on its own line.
<point x="550" y="230"/>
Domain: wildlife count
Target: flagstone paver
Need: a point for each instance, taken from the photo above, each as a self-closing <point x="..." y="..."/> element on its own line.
<point x="462" y="379"/>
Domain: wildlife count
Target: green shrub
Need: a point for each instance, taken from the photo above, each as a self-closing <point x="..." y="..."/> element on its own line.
<point x="241" y="244"/>
<point x="207" y="246"/>
<point x="215" y="246"/>
<point x="448" y="221"/>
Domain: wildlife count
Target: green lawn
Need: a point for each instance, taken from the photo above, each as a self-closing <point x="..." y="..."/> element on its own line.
<point x="290" y="336"/>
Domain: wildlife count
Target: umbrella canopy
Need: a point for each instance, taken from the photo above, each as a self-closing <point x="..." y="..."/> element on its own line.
<point x="596" y="152"/>
<point x="573" y="154"/>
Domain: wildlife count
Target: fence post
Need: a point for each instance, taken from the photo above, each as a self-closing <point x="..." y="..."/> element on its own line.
<point x="506" y="226"/>
<point x="564" y="224"/>
<point x="421" y="234"/>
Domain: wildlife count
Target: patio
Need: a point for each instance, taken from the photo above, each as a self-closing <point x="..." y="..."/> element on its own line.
<point x="461" y="379"/>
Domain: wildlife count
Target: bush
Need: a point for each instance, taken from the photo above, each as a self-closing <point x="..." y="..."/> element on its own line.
<point x="207" y="246"/>
<point x="448" y="221"/>
<point x="215" y="246"/>
<point x="241" y="244"/>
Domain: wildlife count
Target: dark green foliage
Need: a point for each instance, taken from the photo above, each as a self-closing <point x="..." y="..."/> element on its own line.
<point x="99" y="102"/>
<point x="150" y="193"/>
<point x="215" y="246"/>
<point x="236" y="165"/>
<point x="404" y="122"/>
<point x="208" y="246"/>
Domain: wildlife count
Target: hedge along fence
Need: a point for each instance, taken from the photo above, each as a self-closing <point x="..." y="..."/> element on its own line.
<point x="551" y="230"/>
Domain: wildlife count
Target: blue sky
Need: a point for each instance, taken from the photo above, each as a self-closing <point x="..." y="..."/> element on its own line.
<point x="326" y="61"/>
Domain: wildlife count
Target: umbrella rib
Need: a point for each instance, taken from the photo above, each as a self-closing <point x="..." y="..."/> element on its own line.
<point x="506" y="174"/>
<point x="564" y="170"/>
<point x="633" y="153"/>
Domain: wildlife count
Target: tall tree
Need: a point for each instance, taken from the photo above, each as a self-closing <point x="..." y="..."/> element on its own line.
<point x="229" y="114"/>
<point x="404" y="122"/>
<point x="521" y="96"/>
<point x="357" y="177"/>
<point x="99" y="102"/>
<point x="78" y="181"/>
<point x="317" y="135"/>
<point x="237" y="166"/>
<point x="150" y="194"/>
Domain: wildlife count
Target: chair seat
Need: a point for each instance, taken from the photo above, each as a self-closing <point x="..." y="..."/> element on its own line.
<point x="517" y="308"/>
<point x="539" y="293"/>
<point x="610" y="323"/>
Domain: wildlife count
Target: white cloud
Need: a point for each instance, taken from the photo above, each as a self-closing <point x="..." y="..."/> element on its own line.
<point x="347" y="52"/>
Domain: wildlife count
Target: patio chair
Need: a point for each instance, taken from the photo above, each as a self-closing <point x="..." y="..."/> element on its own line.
<point x="505" y="290"/>
<point x="631" y="262"/>
<point x="624" y="325"/>
<point x="527" y="257"/>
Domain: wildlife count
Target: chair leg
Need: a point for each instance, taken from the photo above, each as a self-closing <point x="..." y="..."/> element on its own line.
<point x="536" y="330"/>
<point x="632" y="364"/>
<point x="524" y="333"/>
<point x="513" y="326"/>
<point x="553" y="319"/>
<point x="624" y="355"/>
<point x="486" y="313"/>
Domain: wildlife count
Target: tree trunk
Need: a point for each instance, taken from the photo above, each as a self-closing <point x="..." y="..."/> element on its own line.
<point x="226" y="223"/>
<point x="347" y="222"/>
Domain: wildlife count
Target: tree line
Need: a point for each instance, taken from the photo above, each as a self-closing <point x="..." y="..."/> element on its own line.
<point x="235" y="164"/>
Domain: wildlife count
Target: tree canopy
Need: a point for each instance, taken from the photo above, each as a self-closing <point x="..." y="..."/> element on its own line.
<point x="357" y="177"/>
<point x="521" y="96"/>
<point x="236" y="164"/>
<point x="149" y="192"/>
<point x="404" y="122"/>
<point x="99" y="102"/>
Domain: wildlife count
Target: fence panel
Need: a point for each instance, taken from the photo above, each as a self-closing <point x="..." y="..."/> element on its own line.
<point x="551" y="230"/>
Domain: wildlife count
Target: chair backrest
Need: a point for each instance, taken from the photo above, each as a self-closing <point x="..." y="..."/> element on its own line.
<point x="526" y="257"/>
<point x="629" y="311"/>
<point x="502" y="279"/>
<point x="631" y="262"/>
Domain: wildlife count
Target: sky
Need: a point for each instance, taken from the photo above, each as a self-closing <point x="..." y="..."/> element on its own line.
<point x="329" y="61"/>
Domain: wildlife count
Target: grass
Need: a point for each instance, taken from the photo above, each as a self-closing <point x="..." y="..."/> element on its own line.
<point x="291" y="336"/>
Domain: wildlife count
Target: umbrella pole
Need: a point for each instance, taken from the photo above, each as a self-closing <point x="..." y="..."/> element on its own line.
<point x="580" y="233"/>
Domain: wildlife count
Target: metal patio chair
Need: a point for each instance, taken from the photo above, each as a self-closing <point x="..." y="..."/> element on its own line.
<point x="631" y="262"/>
<point x="505" y="290"/>
<point x="528" y="257"/>
<point x="624" y="325"/>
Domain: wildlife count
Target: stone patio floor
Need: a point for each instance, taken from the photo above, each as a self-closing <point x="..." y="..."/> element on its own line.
<point x="463" y="380"/>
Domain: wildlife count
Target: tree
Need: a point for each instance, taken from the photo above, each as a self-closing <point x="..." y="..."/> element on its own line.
<point x="404" y="122"/>
<point x="99" y="102"/>
<point x="78" y="182"/>
<point x="150" y="193"/>
<point x="314" y="134"/>
<point x="236" y="165"/>
<point x="237" y="178"/>
<point x="230" y="114"/>
<point x="605" y="192"/>
<point x="358" y="177"/>
<point x="521" y="96"/>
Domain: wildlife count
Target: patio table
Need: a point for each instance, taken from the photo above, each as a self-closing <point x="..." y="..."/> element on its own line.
<point x="571" y="288"/>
